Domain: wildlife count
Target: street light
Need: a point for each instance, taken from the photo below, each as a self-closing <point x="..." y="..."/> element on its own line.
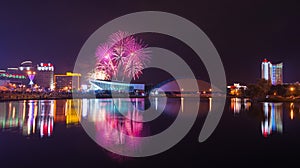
<point x="292" y="89"/>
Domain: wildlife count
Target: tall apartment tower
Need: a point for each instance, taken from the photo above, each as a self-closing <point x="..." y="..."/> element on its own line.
<point x="272" y="72"/>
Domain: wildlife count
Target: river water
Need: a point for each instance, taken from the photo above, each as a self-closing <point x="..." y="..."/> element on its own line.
<point x="48" y="133"/>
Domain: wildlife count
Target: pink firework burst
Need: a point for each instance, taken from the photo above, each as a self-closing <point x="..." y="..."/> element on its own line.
<point x="123" y="56"/>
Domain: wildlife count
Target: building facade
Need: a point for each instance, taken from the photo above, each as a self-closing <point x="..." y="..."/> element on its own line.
<point x="272" y="72"/>
<point x="266" y="71"/>
<point x="116" y="86"/>
<point x="44" y="75"/>
<point x="277" y="76"/>
<point x="68" y="81"/>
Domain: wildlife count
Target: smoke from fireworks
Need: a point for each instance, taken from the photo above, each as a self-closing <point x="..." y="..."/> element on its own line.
<point x="123" y="56"/>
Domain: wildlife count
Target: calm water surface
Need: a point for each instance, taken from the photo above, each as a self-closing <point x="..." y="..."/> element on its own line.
<point x="47" y="133"/>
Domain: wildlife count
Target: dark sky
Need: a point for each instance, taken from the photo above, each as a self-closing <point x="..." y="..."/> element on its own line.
<point x="244" y="32"/>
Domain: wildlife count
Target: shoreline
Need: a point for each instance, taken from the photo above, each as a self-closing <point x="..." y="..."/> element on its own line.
<point x="12" y="96"/>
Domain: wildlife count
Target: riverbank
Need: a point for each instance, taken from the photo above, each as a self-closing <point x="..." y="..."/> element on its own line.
<point x="270" y="99"/>
<point x="282" y="99"/>
<point x="15" y="96"/>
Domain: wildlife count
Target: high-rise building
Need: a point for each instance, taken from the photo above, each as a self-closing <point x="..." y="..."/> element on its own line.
<point x="277" y="77"/>
<point x="272" y="72"/>
<point x="67" y="81"/>
<point x="266" y="71"/>
<point x="44" y="75"/>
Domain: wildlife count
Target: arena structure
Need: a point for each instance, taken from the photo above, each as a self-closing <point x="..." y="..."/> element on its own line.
<point x="116" y="86"/>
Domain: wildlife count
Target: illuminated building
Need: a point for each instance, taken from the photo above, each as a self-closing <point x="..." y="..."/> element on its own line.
<point x="236" y="89"/>
<point x="266" y="67"/>
<point x="44" y="75"/>
<point x="13" y="75"/>
<point x="65" y="81"/>
<point x="26" y="66"/>
<point x="116" y="86"/>
<point x="272" y="72"/>
<point x="277" y="77"/>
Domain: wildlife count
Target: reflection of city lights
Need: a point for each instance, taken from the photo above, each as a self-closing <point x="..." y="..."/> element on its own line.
<point x="71" y="107"/>
<point x="210" y="104"/>
<point x="273" y="118"/>
<point x="156" y="102"/>
<point x="292" y="114"/>
<point x="292" y="111"/>
<point x="235" y="105"/>
<point x="238" y="104"/>
<point x="182" y="103"/>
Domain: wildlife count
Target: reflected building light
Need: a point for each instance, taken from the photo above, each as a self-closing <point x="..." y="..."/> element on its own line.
<point x="265" y="128"/>
<point x="24" y="109"/>
<point x="102" y="115"/>
<point x="66" y="107"/>
<point x="46" y="117"/>
<point x="182" y="104"/>
<point x="71" y="113"/>
<point x="84" y="107"/>
<point x="2" y="115"/>
<point x="25" y="118"/>
<point x="51" y="108"/>
<point x="30" y="117"/>
<point x="42" y="127"/>
<point x="34" y="117"/>
<point x="273" y="118"/>
<point x="119" y="104"/>
<point x="235" y="105"/>
<point x="210" y="104"/>
<point x="46" y="126"/>
<point x="136" y="103"/>
<point x="156" y="103"/>
<point x="9" y="107"/>
<point x="113" y="128"/>
<point x="292" y="110"/>
<point x="292" y="115"/>
<point x="13" y="112"/>
<point x="50" y="126"/>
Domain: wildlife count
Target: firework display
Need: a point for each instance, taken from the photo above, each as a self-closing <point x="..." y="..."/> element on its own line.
<point x="122" y="56"/>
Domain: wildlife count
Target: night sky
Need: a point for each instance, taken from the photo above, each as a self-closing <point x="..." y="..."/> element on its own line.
<point x="244" y="33"/>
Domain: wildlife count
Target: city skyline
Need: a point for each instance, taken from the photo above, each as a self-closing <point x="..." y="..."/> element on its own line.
<point x="243" y="34"/>
<point x="148" y="83"/>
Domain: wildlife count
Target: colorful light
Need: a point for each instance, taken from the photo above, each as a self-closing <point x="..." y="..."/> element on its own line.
<point x="15" y="76"/>
<point x="45" y="67"/>
<point x="31" y="76"/>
